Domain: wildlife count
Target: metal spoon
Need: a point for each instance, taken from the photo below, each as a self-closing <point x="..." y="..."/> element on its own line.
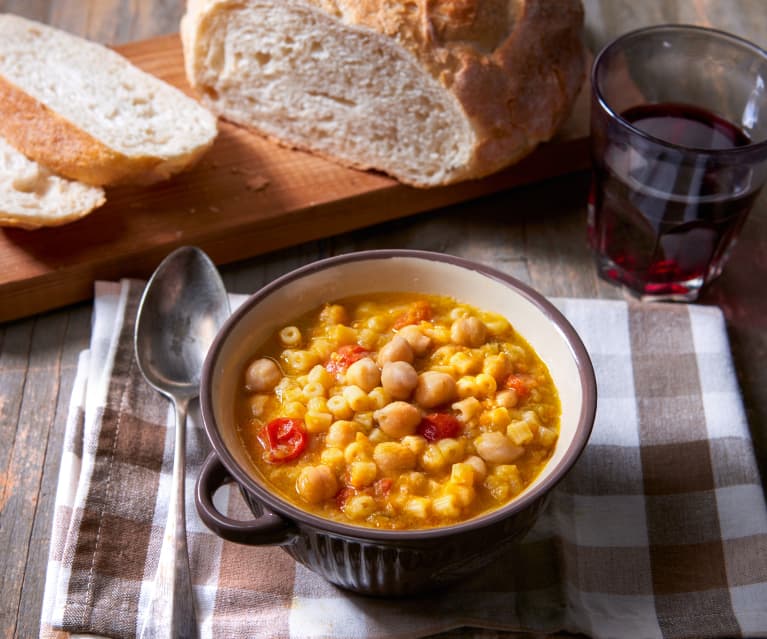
<point x="182" y="307"/>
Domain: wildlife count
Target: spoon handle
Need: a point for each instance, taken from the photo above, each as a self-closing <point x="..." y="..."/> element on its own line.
<point x="170" y="613"/>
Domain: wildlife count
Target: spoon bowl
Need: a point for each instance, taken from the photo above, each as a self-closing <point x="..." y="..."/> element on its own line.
<point x="182" y="307"/>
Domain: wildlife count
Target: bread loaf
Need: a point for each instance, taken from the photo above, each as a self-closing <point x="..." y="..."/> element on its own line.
<point x="31" y="196"/>
<point x="428" y="91"/>
<point x="86" y="113"/>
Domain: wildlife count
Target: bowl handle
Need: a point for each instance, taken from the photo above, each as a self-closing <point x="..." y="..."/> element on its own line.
<point x="266" y="530"/>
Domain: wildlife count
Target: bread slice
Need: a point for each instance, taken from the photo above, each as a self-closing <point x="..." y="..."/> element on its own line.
<point x="430" y="91"/>
<point x="31" y="196"/>
<point x="87" y="113"/>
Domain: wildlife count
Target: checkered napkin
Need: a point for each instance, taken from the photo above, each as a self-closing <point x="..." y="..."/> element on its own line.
<point x="660" y="530"/>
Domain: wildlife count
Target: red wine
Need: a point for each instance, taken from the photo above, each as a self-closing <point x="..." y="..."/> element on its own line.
<point x="686" y="125"/>
<point x="665" y="222"/>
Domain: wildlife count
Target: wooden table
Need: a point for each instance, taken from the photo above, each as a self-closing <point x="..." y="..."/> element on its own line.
<point x="536" y="233"/>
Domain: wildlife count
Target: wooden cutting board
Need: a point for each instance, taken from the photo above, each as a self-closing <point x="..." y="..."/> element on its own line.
<point x="246" y="196"/>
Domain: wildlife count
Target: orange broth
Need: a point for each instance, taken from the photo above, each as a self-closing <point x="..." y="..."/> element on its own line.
<point x="353" y="442"/>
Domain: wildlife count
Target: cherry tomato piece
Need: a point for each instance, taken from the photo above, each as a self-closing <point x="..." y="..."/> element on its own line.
<point x="344" y="357"/>
<point x="342" y="495"/>
<point x="283" y="439"/>
<point x="419" y="311"/>
<point x="436" y="426"/>
<point x="383" y="486"/>
<point x="519" y="383"/>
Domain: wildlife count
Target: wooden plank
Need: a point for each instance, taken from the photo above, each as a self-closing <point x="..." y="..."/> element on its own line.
<point x="14" y="354"/>
<point x="26" y="455"/>
<point x="75" y="338"/>
<point x="247" y="196"/>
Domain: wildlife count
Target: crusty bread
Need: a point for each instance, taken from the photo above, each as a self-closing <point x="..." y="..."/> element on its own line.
<point x="87" y="113"/>
<point x="31" y="196"/>
<point x="428" y="91"/>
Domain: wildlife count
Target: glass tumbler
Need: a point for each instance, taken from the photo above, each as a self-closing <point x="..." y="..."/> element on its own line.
<point x="679" y="154"/>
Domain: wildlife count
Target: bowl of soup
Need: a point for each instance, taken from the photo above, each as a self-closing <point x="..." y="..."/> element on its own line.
<point x="394" y="419"/>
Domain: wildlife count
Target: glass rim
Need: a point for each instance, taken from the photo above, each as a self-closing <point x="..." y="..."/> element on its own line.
<point x="752" y="147"/>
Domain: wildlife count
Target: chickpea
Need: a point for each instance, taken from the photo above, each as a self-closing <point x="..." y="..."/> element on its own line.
<point x="359" y="507"/>
<point x="362" y="473"/>
<point x="364" y="373"/>
<point x="393" y="456"/>
<point x="334" y="458"/>
<point x="434" y="388"/>
<point x="315" y="484"/>
<point x="396" y="350"/>
<point x="418" y="341"/>
<point x="399" y="379"/>
<point x="258" y="404"/>
<point x="496" y="448"/>
<point x="341" y="433"/>
<point x="468" y="331"/>
<point x="262" y="375"/>
<point x="398" y="419"/>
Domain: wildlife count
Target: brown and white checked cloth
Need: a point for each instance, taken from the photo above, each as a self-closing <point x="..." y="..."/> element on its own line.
<point x="660" y="530"/>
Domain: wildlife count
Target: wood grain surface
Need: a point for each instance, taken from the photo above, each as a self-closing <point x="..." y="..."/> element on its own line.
<point x="536" y="233"/>
<point x="247" y="196"/>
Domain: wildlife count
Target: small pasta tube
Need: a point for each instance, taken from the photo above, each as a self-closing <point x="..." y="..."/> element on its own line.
<point x="299" y="361"/>
<point x="317" y="422"/>
<point x="313" y="389"/>
<point x="468" y="408"/>
<point x="320" y="375"/>
<point x="296" y="410"/>
<point x="519" y="432"/>
<point x="339" y="407"/>
<point x="290" y="337"/>
<point x="446" y="506"/>
<point x="356" y="398"/>
<point x="418" y="507"/>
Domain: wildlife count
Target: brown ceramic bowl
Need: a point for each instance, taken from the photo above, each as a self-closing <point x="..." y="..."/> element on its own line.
<point x="367" y="560"/>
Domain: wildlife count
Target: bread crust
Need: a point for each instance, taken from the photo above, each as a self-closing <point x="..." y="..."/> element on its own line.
<point x="33" y="222"/>
<point x="66" y="144"/>
<point x="53" y="141"/>
<point x="32" y="197"/>
<point x="515" y="67"/>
